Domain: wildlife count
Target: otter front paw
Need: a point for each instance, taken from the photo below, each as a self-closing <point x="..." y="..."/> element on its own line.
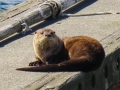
<point x="35" y="63"/>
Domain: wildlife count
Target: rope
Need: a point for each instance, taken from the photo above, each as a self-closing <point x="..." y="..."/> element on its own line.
<point x="89" y="14"/>
<point x="55" y="7"/>
<point x="25" y="28"/>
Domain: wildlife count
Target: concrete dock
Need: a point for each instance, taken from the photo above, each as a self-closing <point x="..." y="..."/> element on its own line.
<point x="17" y="50"/>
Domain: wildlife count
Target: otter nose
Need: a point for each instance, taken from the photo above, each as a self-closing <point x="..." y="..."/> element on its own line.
<point x="48" y="35"/>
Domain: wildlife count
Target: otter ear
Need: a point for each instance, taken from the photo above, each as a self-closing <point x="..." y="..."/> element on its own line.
<point x="35" y="32"/>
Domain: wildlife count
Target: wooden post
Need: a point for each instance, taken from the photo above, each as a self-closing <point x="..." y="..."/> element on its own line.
<point x="51" y="8"/>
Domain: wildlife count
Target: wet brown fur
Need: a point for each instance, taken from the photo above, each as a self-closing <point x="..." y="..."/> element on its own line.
<point x="78" y="53"/>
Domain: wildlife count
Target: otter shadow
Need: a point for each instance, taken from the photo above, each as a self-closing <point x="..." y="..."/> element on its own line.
<point x="72" y="10"/>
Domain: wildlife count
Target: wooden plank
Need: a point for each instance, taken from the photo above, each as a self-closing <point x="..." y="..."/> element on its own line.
<point x="9" y="25"/>
<point x="30" y="12"/>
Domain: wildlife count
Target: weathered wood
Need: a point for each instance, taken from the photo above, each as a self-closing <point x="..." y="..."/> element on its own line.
<point x="30" y="17"/>
<point x="32" y="14"/>
<point x="105" y="28"/>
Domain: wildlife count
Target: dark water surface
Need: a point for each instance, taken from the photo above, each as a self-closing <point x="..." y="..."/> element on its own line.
<point x="5" y="4"/>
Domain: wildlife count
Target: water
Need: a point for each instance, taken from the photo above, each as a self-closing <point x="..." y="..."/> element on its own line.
<point x="5" y="4"/>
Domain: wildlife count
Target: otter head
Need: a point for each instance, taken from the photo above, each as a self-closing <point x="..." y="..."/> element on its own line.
<point x="44" y="33"/>
<point x="46" y="38"/>
<point x="46" y="43"/>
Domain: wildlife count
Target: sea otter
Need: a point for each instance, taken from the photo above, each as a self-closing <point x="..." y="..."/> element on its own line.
<point x="77" y="53"/>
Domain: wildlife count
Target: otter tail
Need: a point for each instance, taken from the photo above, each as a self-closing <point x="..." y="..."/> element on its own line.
<point x="70" y="65"/>
<point x="45" y="68"/>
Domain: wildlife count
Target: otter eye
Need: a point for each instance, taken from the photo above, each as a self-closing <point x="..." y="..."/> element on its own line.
<point x="41" y="32"/>
<point x="53" y="32"/>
